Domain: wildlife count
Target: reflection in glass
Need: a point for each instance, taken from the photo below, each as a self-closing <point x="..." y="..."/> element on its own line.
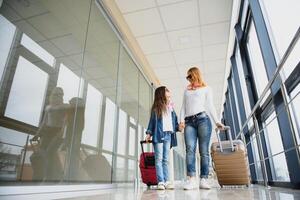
<point x="69" y="81"/>
<point x="109" y="125"/>
<point x="122" y="133"/>
<point x="131" y="141"/>
<point x="92" y="117"/>
<point x="37" y="50"/>
<point x="7" y="33"/>
<point x="26" y="97"/>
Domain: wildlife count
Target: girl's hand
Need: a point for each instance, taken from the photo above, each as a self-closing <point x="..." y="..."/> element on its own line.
<point x="220" y="126"/>
<point x="181" y="126"/>
<point x="148" y="138"/>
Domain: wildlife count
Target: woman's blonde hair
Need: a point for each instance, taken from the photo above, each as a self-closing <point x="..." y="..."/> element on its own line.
<point x="196" y="76"/>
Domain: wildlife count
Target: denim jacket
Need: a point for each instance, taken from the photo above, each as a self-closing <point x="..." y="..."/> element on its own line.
<point x="155" y="128"/>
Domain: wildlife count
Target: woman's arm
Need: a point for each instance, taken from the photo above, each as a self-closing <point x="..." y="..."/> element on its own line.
<point x="210" y="106"/>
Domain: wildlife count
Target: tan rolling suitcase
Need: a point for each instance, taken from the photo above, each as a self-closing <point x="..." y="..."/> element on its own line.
<point x="230" y="161"/>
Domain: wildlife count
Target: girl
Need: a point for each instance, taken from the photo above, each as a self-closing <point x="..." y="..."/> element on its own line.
<point x="162" y="128"/>
<point x="197" y="104"/>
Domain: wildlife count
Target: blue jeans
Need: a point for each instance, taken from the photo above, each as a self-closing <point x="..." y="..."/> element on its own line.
<point x="162" y="158"/>
<point x="197" y="128"/>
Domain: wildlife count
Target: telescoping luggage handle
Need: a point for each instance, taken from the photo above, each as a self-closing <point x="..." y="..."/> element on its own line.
<point x="226" y="128"/>
<point x="144" y="142"/>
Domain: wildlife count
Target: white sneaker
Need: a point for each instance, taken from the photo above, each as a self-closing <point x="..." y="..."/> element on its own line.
<point x="204" y="184"/>
<point x="190" y="184"/>
<point x="169" y="186"/>
<point x="161" y="186"/>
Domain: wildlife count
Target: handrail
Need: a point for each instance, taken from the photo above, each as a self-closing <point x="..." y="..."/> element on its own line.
<point x="268" y="86"/>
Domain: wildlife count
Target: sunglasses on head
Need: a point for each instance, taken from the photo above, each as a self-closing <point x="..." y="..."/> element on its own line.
<point x="189" y="77"/>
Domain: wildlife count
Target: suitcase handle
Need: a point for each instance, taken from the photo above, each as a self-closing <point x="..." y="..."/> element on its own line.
<point x="226" y="128"/>
<point x="144" y="142"/>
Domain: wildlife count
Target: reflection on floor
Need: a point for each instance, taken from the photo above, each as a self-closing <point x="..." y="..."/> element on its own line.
<point x="254" y="192"/>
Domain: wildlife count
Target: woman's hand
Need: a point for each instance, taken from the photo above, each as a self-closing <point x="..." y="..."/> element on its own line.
<point x="220" y="126"/>
<point x="148" y="138"/>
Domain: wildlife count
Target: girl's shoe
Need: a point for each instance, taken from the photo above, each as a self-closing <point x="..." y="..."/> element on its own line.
<point x="169" y="186"/>
<point x="161" y="186"/>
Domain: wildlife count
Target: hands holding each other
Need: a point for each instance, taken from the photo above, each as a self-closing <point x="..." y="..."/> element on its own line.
<point x="181" y="126"/>
<point x="148" y="138"/>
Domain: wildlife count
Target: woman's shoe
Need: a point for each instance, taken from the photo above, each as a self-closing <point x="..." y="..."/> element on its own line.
<point x="204" y="184"/>
<point x="190" y="184"/>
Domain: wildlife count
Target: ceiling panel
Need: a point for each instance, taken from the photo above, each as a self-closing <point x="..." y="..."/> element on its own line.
<point x="216" y="66"/>
<point x="133" y="5"/>
<point x="166" y="73"/>
<point x="164" y="2"/>
<point x="161" y="60"/>
<point x="213" y="11"/>
<point x="154" y="43"/>
<point x="215" y="33"/>
<point x="173" y="20"/>
<point x="215" y="52"/>
<point x="188" y="55"/>
<point x="144" y="22"/>
<point x="185" y="38"/>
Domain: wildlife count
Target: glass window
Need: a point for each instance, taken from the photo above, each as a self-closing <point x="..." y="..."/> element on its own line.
<point x="27" y="95"/>
<point x="274" y="141"/>
<point x="256" y="157"/>
<point x="92" y="116"/>
<point x="131" y="169"/>
<point x="7" y="33"/>
<point x="243" y="82"/>
<point x="37" y="50"/>
<point x="122" y="133"/>
<point x="145" y="100"/>
<point x="132" y="141"/>
<point x="295" y="107"/>
<point x="282" y="28"/>
<point x="120" y="171"/>
<point x="128" y="87"/>
<point x="109" y="125"/>
<point x="257" y="63"/>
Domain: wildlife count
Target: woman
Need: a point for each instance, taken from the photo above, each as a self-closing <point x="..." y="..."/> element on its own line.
<point x="197" y="104"/>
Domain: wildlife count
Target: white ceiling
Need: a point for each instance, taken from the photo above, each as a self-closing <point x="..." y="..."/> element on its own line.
<point x="177" y="34"/>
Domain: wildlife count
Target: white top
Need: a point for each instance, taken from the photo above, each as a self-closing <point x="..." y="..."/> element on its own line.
<point x="167" y="120"/>
<point x="196" y="101"/>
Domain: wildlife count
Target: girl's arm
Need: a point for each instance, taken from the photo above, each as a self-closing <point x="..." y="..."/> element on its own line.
<point x="176" y="122"/>
<point x="151" y="124"/>
<point x="182" y="111"/>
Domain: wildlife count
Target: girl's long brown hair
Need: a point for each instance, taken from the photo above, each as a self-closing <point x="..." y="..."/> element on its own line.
<point x="160" y="101"/>
<point x="196" y="76"/>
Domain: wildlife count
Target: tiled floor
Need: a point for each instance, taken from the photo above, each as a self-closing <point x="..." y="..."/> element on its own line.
<point x="251" y="193"/>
